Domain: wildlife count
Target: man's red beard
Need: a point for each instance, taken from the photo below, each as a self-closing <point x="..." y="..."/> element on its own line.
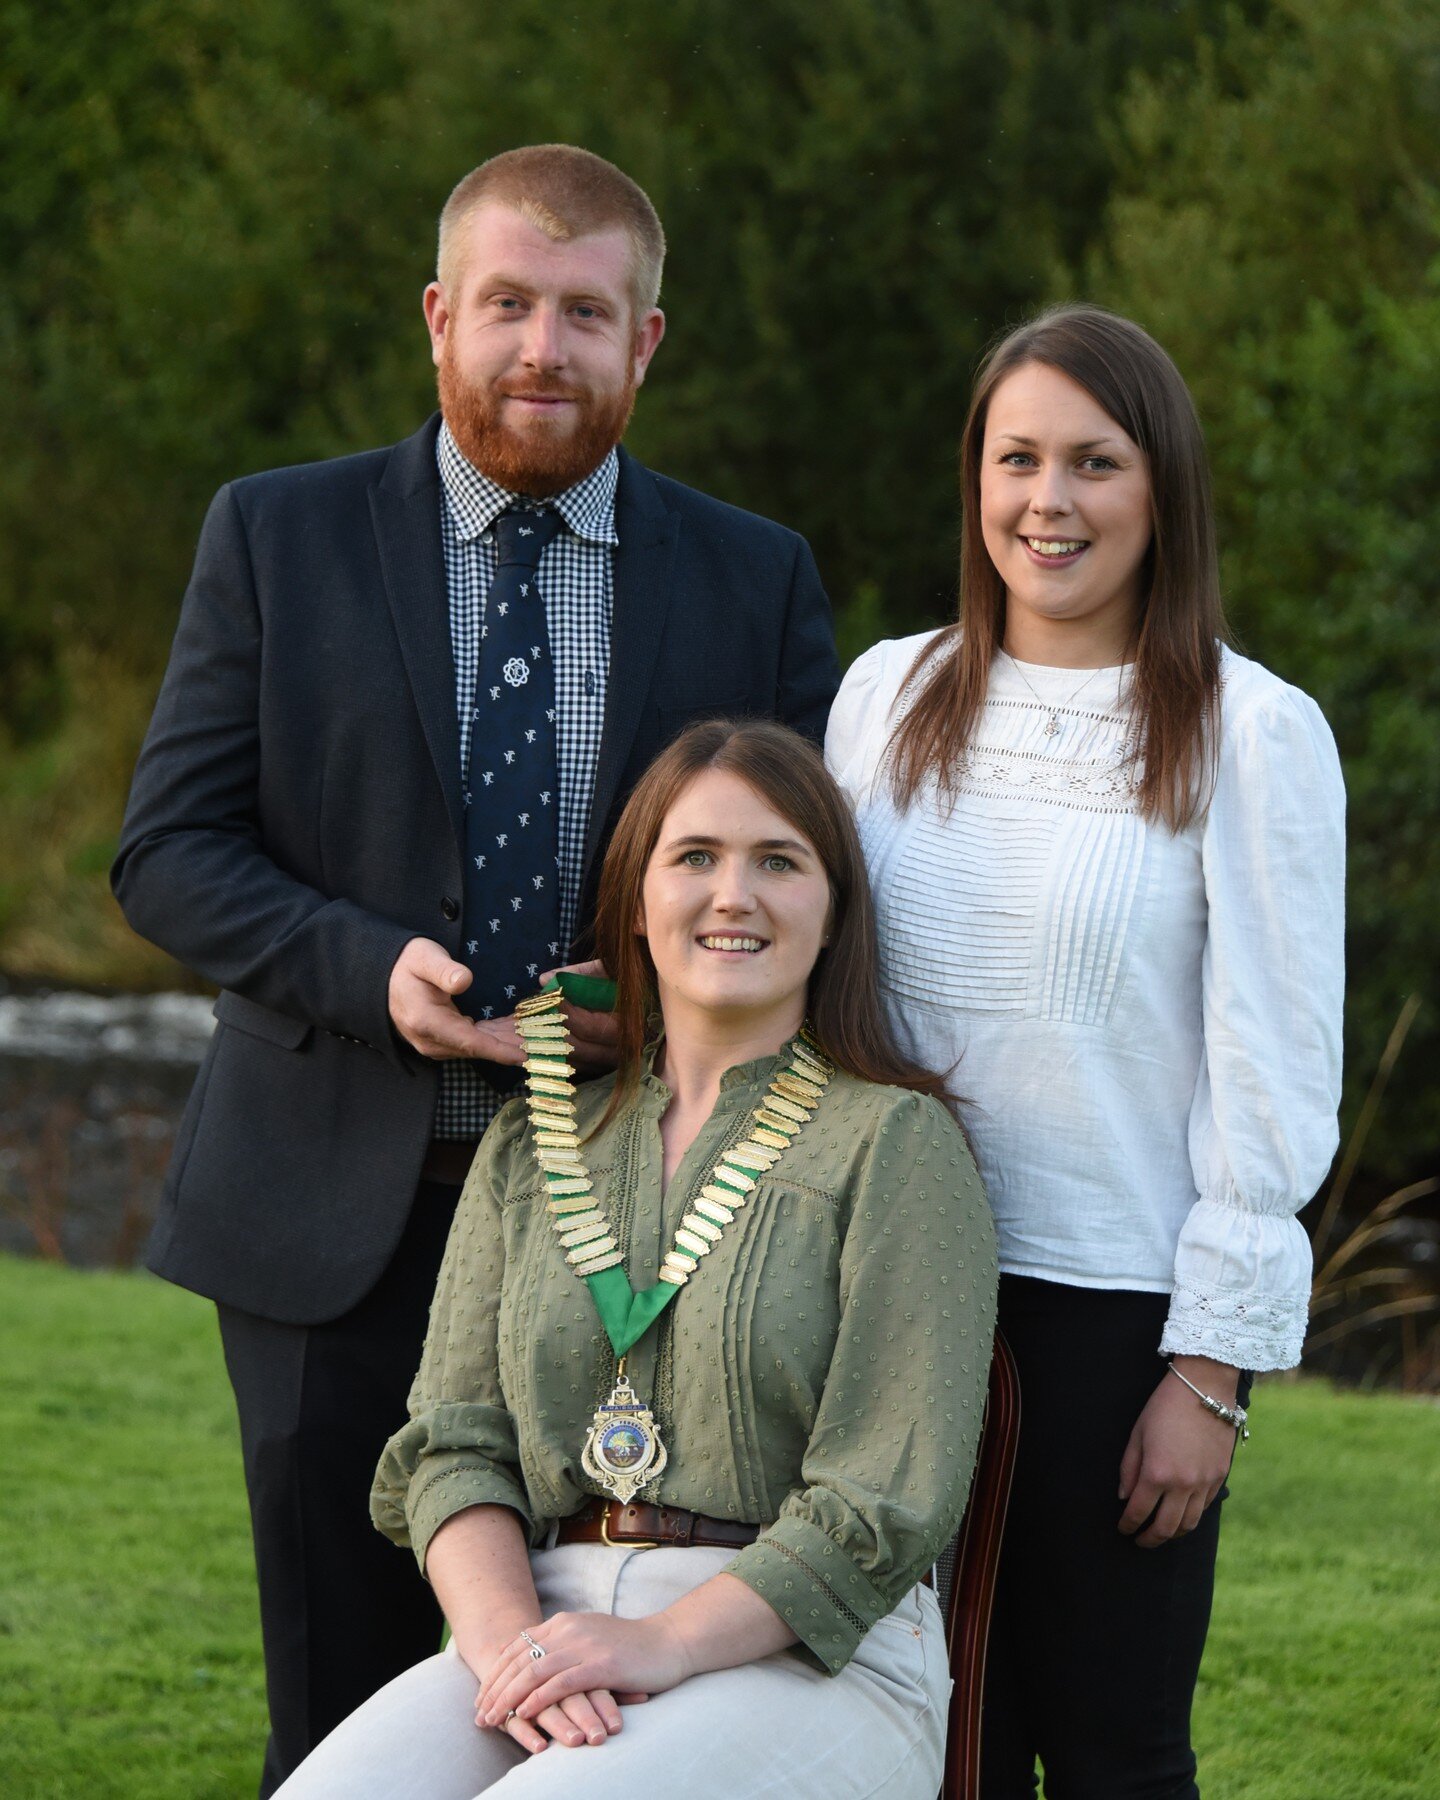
<point x="545" y="461"/>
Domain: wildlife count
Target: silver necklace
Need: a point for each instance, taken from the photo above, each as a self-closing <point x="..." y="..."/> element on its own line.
<point x="1052" y="723"/>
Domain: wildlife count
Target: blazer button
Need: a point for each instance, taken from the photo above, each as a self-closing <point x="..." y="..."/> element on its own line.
<point x="450" y="909"/>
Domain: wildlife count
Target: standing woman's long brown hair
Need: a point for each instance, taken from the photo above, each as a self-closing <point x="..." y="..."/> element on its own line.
<point x="1176" y="690"/>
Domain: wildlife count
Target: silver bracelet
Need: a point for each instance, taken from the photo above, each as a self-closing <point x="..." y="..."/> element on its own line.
<point x="1235" y="1416"/>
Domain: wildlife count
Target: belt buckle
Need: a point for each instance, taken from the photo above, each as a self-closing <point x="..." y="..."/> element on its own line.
<point x="623" y="1543"/>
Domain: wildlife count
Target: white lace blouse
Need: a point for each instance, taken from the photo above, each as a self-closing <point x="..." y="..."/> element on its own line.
<point x="1145" y="1026"/>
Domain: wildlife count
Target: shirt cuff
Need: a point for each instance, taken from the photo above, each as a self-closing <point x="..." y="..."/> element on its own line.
<point x="1248" y="1331"/>
<point x="1242" y="1287"/>
<point x="807" y="1579"/>
<point x="438" y="1496"/>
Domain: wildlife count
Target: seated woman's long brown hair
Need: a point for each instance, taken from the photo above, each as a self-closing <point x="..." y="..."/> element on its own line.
<point x="787" y="771"/>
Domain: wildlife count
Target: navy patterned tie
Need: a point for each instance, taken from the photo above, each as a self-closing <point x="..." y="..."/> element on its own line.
<point x="512" y="802"/>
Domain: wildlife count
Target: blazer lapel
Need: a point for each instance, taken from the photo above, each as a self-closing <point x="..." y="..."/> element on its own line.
<point x="405" y="512"/>
<point x="648" y="534"/>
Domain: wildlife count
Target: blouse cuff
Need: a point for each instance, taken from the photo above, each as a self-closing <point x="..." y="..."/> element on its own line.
<point x="816" y="1589"/>
<point x="1242" y="1288"/>
<point x="438" y="1495"/>
<point x="453" y="1456"/>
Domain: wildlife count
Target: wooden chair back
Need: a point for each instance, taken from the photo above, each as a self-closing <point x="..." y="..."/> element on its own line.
<point x="967" y="1572"/>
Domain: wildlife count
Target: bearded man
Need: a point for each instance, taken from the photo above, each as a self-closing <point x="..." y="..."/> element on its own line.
<point x="409" y="693"/>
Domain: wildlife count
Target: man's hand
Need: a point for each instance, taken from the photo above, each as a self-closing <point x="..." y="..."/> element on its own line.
<point x="593" y="1034"/>
<point x="423" y="985"/>
<point x="1178" y="1455"/>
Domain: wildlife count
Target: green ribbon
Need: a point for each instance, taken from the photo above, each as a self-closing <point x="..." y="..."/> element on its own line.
<point x="626" y="1315"/>
<point x="592" y="992"/>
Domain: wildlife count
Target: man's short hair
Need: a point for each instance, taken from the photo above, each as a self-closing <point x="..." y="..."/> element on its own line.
<point x="565" y="192"/>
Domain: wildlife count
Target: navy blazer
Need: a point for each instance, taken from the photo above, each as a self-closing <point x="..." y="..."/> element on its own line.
<point x="295" y="820"/>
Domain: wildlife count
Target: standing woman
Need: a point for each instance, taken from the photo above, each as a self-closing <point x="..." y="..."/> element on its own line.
<point x="1108" y="861"/>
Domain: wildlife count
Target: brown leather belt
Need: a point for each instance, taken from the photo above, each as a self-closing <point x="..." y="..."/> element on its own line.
<point x="634" y="1525"/>
<point x="637" y="1526"/>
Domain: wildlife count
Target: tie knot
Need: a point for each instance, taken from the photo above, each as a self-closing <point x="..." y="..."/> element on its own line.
<point x="521" y="536"/>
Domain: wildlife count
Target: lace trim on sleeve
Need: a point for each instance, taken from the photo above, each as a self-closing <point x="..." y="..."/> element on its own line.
<point x="1250" y="1331"/>
<point x="845" y="1611"/>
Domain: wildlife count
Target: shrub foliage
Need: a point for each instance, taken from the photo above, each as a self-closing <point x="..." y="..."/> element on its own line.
<point x="216" y="224"/>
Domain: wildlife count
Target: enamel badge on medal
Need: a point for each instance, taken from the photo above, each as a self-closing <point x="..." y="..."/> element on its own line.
<point x="623" y="1448"/>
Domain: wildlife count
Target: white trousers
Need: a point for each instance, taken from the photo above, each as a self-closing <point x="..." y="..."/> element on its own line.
<point x="777" y="1727"/>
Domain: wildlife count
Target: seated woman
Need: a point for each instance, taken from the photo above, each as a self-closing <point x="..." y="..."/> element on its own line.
<point x="728" y="1504"/>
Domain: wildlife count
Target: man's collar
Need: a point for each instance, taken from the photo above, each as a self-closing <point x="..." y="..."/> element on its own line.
<point x="475" y="502"/>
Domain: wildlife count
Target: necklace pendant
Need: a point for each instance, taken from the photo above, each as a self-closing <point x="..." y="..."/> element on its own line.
<point x="623" y="1447"/>
<point x="1052" y="726"/>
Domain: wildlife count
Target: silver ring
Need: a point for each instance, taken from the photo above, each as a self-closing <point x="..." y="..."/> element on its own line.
<point x="536" y="1650"/>
<point x="510" y="1715"/>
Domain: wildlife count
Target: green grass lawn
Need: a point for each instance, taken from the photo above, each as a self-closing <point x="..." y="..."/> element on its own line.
<point x="129" y="1660"/>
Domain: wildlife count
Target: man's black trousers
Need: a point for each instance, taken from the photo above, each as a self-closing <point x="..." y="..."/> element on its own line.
<point x="342" y="1610"/>
<point x="1096" y="1644"/>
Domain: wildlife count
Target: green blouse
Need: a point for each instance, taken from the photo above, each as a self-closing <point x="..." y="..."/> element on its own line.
<point x="821" y="1375"/>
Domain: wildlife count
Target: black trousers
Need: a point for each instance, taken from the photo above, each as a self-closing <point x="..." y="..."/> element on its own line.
<point x="1096" y="1643"/>
<point x="342" y="1610"/>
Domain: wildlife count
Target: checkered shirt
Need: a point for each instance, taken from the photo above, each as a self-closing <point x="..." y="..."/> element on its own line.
<point x="577" y="585"/>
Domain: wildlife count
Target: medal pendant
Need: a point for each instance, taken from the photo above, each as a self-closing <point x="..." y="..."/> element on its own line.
<point x="623" y="1449"/>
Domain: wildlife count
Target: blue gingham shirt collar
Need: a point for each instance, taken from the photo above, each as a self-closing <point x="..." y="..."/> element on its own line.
<point x="475" y="502"/>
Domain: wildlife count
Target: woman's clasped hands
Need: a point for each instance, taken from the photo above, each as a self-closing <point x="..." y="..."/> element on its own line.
<point x="592" y="1664"/>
